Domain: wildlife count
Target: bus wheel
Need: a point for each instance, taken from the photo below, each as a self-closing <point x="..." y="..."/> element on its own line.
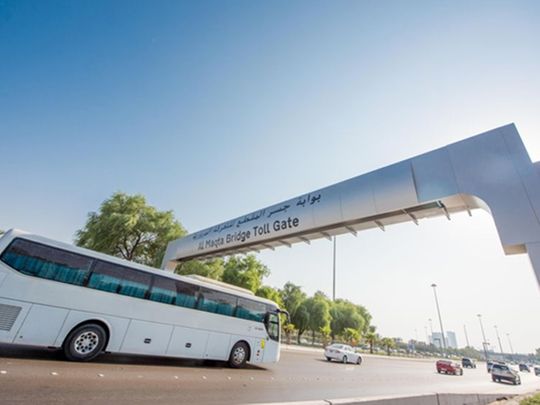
<point x="85" y="342"/>
<point x="239" y="355"/>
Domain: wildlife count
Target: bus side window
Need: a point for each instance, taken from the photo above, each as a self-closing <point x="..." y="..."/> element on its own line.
<point x="114" y="278"/>
<point x="41" y="261"/>
<point x="186" y="294"/>
<point x="163" y="290"/>
<point x="252" y="310"/>
<point x="217" y="302"/>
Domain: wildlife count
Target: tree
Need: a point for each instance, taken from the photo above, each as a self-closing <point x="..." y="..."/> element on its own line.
<point x="246" y="272"/>
<point x="344" y="315"/>
<point x="270" y="293"/>
<point x="126" y="226"/>
<point x="319" y="315"/>
<point x="211" y="269"/>
<point x="292" y="296"/>
<point x="289" y="330"/>
<point x="351" y="336"/>
<point x="301" y="318"/>
<point x="388" y="344"/>
<point x="326" y="332"/>
<point x="372" y="338"/>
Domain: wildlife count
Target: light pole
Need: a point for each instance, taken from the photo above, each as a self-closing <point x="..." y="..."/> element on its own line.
<point x="466" y="336"/>
<point x="483" y="336"/>
<point x="439" y="313"/>
<point x="499" y="339"/>
<point x="334" y="272"/>
<point x="510" y="344"/>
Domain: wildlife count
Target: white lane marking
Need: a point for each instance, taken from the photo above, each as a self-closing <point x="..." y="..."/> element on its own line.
<point x="3" y="372"/>
<point x="54" y="373"/>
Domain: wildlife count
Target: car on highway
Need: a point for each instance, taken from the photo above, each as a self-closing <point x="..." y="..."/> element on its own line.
<point x="524" y="367"/>
<point x="448" y="367"/>
<point x="467" y="362"/>
<point x="343" y="353"/>
<point x="502" y="372"/>
<point x="536" y="370"/>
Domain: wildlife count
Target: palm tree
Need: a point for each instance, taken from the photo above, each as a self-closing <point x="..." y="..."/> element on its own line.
<point x="289" y="330"/>
<point x="372" y="338"/>
<point x="388" y="343"/>
<point x="351" y="336"/>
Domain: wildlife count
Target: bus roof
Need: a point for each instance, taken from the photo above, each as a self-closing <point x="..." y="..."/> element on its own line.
<point x="196" y="280"/>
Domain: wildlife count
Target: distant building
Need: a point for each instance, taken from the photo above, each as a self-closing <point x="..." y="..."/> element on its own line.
<point x="451" y="341"/>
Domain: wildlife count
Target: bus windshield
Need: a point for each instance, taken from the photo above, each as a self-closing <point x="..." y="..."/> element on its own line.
<point x="272" y="325"/>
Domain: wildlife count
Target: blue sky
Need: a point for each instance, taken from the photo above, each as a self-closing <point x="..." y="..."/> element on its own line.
<point x="215" y="109"/>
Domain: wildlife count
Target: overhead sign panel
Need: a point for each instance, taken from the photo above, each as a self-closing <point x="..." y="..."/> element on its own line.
<point x="491" y="171"/>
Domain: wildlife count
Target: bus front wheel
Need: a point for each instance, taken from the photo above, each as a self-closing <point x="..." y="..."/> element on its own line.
<point x="239" y="355"/>
<point x="85" y="342"/>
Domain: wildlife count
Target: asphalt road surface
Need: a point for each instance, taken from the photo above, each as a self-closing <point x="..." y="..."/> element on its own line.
<point x="30" y="376"/>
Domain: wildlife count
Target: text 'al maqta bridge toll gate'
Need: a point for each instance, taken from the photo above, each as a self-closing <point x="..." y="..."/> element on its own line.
<point x="492" y="171"/>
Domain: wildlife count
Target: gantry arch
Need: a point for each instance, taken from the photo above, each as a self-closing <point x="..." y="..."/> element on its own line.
<point x="491" y="171"/>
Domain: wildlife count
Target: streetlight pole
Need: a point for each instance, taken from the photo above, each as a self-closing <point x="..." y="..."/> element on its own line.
<point x="499" y="339"/>
<point x="483" y="336"/>
<point x="466" y="336"/>
<point x="510" y="344"/>
<point x="334" y="272"/>
<point x="439" y="313"/>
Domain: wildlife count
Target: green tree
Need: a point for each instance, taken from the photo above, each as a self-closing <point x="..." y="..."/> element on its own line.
<point x="292" y="296"/>
<point x="372" y="338"/>
<point x="301" y="318"/>
<point x="388" y="344"/>
<point x="345" y="315"/>
<point x="270" y="293"/>
<point x="319" y="315"/>
<point x="246" y="272"/>
<point x="211" y="269"/>
<point x="351" y="336"/>
<point x="289" y="329"/>
<point x="126" y="226"/>
<point x="326" y="332"/>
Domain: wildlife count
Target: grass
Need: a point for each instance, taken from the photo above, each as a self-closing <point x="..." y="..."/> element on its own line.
<point x="534" y="400"/>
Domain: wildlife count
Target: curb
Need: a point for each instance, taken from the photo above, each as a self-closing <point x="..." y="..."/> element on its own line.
<point x="418" y="399"/>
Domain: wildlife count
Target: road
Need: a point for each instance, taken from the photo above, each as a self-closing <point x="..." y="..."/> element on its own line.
<point x="29" y="376"/>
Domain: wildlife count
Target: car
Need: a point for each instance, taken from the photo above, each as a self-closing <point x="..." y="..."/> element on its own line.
<point x="343" y="353"/>
<point x="536" y="370"/>
<point x="524" y="367"/>
<point x="501" y="372"/>
<point x="448" y="367"/>
<point x="468" y="362"/>
<point x="490" y="364"/>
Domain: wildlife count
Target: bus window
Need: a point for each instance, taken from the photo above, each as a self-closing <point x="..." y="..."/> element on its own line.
<point x="113" y="278"/>
<point x="163" y="290"/>
<point x="252" y="310"/>
<point x="186" y="294"/>
<point x="37" y="260"/>
<point x="217" y="302"/>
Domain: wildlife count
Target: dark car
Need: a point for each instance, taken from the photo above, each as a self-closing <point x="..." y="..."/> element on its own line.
<point x="501" y="372"/>
<point x="468" y="362"/>
<point x="448" y="367"/>
<point x="524" y="367"/>
<point x="536" y="370"/>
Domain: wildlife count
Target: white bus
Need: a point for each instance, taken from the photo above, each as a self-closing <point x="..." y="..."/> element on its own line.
<point x="61" y="296"/>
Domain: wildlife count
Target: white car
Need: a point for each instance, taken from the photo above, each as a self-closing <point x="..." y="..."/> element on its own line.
<point x="343" y="353"/>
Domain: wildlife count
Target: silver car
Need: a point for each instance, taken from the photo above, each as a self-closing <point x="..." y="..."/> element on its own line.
<point x="501" y="372"/>
<point x="343" y="353"/>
